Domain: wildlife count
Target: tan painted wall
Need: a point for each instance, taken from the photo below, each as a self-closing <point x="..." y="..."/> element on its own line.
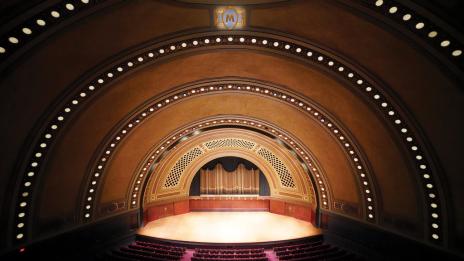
<point x="134" y="90"/>
<point x="36" y="79"/>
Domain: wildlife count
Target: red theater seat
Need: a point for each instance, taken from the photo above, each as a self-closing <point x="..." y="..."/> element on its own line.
<point x="311" y="249"/>
<point x="239" y="254"/>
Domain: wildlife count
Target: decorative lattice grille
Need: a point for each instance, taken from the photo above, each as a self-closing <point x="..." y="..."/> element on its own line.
<point x="235" y="143"/>
<point x="176" y="172"/>
<point x="286" y="178"/>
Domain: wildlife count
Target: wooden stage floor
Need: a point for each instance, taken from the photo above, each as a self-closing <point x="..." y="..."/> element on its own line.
<point x="229" y="227"/>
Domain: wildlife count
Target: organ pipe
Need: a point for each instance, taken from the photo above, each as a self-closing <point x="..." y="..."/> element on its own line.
<point x="219" y="181"/>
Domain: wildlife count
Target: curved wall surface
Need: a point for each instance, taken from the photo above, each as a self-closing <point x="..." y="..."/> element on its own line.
<point x="361" y="101"/>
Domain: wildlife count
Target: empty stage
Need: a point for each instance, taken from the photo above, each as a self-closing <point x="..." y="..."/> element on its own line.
<point x="229" y="227"/>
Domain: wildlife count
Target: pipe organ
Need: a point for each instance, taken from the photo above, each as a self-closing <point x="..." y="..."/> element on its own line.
<point x="220" y="181"/>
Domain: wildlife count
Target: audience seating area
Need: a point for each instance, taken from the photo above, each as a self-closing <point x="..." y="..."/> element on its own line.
<point x="312" y="248"/>
<point x="255" y="254"/>
<point x="141" y="250"/>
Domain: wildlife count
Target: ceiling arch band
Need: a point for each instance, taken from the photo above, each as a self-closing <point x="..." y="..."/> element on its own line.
<point x="418" y="24"/>
<point x="339" y="133"/>
<point x="44" y="21"/>
<point x="404" y="16"/>
<point x="316" y="175"/>
<point x="356" y="79"/>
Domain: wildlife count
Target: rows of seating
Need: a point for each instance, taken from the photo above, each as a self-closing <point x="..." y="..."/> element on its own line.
<point x="315" y="240"/>
<point x="300" y="248"/>
<point x="311" y="249"/>
<point x="228" y="255"/>
<point x="255" y="254"/>
<point x="160" y="246"/>
<point x="141" y="250"/>
<point x="296" y="246"/>
<point x="314" y="250"/>
<point x="230" y="251"/>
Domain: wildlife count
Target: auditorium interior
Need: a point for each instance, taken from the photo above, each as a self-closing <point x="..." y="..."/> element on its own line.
<point x="231" y="130"/>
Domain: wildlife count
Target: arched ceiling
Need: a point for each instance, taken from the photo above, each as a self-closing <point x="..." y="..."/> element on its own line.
<point x="172" y="177"/>
<point x="331" y="83"/>
<point x="230" y="86"/>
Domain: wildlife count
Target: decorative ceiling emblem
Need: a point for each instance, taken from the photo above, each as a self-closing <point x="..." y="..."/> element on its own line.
<point x="229" y="17"/>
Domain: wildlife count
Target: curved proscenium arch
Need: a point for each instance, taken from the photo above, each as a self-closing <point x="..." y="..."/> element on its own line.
<point x="340" y="134"/>
<point x="169" y="180"/>
<point x="315" y="174"/>
<point x="354" y="77"/>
